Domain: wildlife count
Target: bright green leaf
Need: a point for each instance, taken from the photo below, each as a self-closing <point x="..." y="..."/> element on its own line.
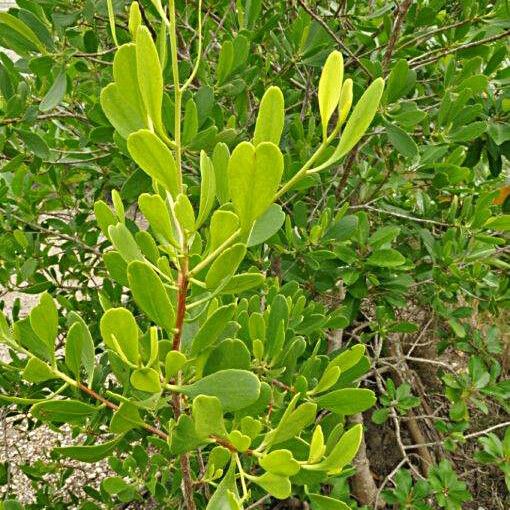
<point x="150" y="77"/>
<point x="208" y="416"/>
<point x="235" y="389"/>
<point x="330" y="88"/>
<point x="271" y="117"/>
<point x="121" y="324"/>
<point x="63" y="411"/>
<point x="280" y="462"/>
<point x="146" y="379"/>
<point x="254" y="175"/>
<point x="150" y="295"/>
<point x="154" y="158"/>
<point x="347" y="401"/>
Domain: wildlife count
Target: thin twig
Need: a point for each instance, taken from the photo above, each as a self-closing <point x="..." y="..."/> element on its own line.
<point x="395" y="33"/>
<point x="467" y="436"/>
<point x="400" y="215"/>
<point x="339" y="41"/>
<point x="434" y="55"/>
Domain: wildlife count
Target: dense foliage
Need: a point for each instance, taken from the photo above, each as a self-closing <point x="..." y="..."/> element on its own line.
<point x="256" y="230"/>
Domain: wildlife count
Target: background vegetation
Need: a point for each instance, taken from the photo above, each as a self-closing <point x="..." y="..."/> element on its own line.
<point x="402" y="246"/>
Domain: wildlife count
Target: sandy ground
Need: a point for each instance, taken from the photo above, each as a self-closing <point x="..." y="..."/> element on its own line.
<point x="20" y="446"/>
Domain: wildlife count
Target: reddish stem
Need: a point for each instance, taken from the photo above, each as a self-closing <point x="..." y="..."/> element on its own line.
<point x="115" y="407"/>
<point x="182" y="283"/>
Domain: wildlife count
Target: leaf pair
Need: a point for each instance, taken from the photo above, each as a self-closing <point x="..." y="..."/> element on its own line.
<point x="134" y="100"/>
<point x="254" y="174"/>
<point x="333" y="94"/>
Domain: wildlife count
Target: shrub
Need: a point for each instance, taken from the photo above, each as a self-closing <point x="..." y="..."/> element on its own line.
<point x="242" y="243"/>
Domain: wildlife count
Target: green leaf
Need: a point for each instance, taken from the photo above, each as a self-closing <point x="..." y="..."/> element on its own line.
<point x="383" y="236"/>
<point x="225" y="62"/>
<point x="25" y="336"/>
<point x="397" y="81"/>
<point x="224" y="267"/>
<point x="361" y="118"/>
<point x="500" y="223"/>
<point x="347" y="401"/>
<point x="184" y="212"/>
<point x="343" y="229"/>
<point x="222" y="497"/>
<point x="320" y="502"/>
<point x="123" y="116"/>
<point x="345" y="102"/>
<point x="115" y="485"/>
<point x="280" y="462"/>
<point x="239" y="440"/>
<point x="124" y="242"/>
<point x="212" y="328"/>
<point x="349" y="358"/>
<point x="125" y="418"/>
<point x="154" y="158"/>
<point x="184" y="437"/>
<point x="150" y="295"/>
<point x="44" y="321"/>
<point x="254" y="175"/>
<point x="401" y="141"/>
<point x="235" y="389"/>
<point x="343" y="452"/>
<point x="118" y="206"/>
<point x="220" y="158"/>
<point x="35" y="143"/>
<point x="229" y="353"/>
<point x="116" y="266"/>
<point x="37" y="371"/>
<point x="328" y="379"/>
<point x="330" y="88"/>
<point x="317" y="446"/>
<point x="276" y="485"/>
<point x="477" y="84"/>
<point x="468" y="132"/>
<point x="104" y="217"/>
<point x="457" y="327"/>
<point x="79" y="350"/>
<point x="358" y="123"/>
<point x="121" y="101"/>
<point x="387" y="257"/>
<point x="88" y="453"/>
<point x="23" y="29"/>
<point x="271" y="117"/>
<point x="379" y="416"/>
<point x="243" y="282"/>
<point x="174" y="362"/>
<point x="223" y="225"/>
<point x="150" y="77"/>
<point x="293" y="422"/>
<point x="55" y="94"/>
<point x="207" y="188"/>
<point x="121" y="324"/>
<point x="190" y="123"/>
<point x="63" y="411"/>
<point x="135" y="19"/>
<point x="267" y="225"/>
<point x="154" y="209"/>
<point x="208" y="416"/>
<point x="146" y="379"/>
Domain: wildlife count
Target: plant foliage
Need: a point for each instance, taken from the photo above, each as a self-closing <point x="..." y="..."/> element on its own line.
<point x="247" y="225"/>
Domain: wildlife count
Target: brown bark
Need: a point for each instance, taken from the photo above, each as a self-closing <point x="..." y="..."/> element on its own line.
<point x="363" y="485"/>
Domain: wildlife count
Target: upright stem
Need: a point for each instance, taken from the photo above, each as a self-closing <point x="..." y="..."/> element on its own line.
<point x="183" y="276"/>
<point x="181" y="302"/>
<point x="177" y="91"/>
